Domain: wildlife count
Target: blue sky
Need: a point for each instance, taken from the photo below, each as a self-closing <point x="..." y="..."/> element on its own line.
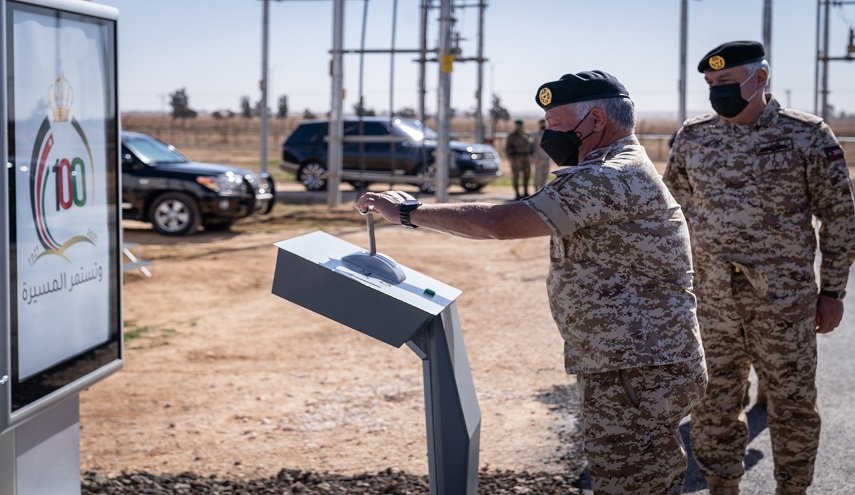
<point x="213" y="49"/>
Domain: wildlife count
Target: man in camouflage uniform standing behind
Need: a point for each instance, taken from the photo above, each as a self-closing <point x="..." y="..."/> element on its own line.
<point x="749" y="177"/>
<point x="518" y="150"/>
<point x="539" y="157"/>
<point x="619" y="282"/>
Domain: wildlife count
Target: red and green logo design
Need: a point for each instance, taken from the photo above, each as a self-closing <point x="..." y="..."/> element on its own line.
<point x="61" y="181"/>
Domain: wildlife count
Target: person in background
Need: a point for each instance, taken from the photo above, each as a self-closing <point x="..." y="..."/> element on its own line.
<point x="518" y="151"/>
<point x="750" y="177"/>
<point x="539" y="156"/>
<point x="620" y="280"/>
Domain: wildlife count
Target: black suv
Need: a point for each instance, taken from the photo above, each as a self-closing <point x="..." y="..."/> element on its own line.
<point x="176" y="195"/>
<point x="378" y="149"/>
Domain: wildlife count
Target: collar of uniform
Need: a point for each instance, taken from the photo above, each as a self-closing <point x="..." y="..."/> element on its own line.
<point x="600" y="155"/>
<point x="769" y="114"/>
<point x="767" y="117"/>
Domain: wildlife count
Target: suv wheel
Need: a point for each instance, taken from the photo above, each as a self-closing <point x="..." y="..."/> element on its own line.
<point x="427" y="179"/>
<point x="313" y="176"/>
<point x="174" y="213"/>
<point x="472" y="186"/>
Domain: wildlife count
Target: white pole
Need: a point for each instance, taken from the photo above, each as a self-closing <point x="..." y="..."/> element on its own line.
<point x="265" y="21"/>
<point x="336" y="125"/>
<point x="446" y="59"/>
<point x="684" y="16"/>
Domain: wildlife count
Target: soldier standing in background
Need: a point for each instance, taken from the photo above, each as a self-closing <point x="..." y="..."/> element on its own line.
<point x="749" y="178"/>
<point x="540" y="158"/>
<point x="518" y="150"/>
<point x="619" y="284"/>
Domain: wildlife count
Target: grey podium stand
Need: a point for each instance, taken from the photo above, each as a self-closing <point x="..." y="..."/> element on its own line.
<point x="418" y="311"/>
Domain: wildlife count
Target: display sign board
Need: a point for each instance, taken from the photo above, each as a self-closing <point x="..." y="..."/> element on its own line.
<point x="62" y="198"/>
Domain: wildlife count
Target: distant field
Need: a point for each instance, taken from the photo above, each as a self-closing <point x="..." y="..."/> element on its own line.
<point x="237" y="141"/>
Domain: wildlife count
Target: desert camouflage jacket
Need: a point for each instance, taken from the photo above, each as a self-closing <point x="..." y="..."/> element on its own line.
<point x="748" y="193"/>
<point x="620" y="280"/>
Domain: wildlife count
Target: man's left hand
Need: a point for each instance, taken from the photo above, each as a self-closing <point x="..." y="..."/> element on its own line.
<point x="829" y="312"/>
<point x="387" y="204"/>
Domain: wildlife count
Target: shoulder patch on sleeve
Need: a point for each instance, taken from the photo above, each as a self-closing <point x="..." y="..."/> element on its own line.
<point x="808" y="118"/>
<point x="700" y="119"/>
<point x="833" y="153"/>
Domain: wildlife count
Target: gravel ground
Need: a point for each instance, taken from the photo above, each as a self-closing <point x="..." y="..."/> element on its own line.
<point x="306" y="482"/>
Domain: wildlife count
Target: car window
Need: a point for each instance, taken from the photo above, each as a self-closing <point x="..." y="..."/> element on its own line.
<point x="151" y="151"/>
<point x="415" y="130"/>
<point x="308" y="133"/>
<point x="374" y="129"/>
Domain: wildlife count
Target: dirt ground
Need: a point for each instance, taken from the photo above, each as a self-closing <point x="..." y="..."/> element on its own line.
<point x="221" y="377"/>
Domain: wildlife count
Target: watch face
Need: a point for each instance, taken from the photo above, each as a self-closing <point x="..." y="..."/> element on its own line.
<point x="410" y="202"/>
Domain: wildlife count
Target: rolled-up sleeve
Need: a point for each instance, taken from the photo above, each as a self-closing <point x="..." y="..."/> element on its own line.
<point x="582" y="199"/>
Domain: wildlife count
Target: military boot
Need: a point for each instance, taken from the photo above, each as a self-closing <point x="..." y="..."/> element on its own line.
<point x="790" y="490"/>
<point x="722" y="486"/>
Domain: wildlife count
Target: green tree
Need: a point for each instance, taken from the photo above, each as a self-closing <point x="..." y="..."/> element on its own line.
<point x="361" y="111"/>
<point x="497" y="113"/>
<point x="180" y="103"/>
<point x="245" y="107"/>
<point x="309" y="115"/>
<point x="406" y="112"/>
<point x="282" y="107"/>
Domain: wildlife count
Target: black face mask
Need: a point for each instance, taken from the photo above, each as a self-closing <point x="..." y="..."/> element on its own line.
<point x="563" y="146"/>
<point x="727" y="99"/>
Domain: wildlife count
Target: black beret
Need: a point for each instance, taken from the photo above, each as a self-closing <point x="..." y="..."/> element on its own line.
<point x="732" y="54"/>
<point x="582" y="86"/>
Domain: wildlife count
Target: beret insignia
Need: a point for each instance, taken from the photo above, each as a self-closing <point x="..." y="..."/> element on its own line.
<point x="716" y="62"/>
<point x="545" y="96"/>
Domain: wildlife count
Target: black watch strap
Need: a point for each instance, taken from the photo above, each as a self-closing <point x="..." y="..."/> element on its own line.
<point x="405" y="209"/>
<point x="833" y="294"/>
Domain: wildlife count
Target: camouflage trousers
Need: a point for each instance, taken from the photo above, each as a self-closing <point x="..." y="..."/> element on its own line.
<point x="520" y="167"/>
<point x="630" y="423"/>
<point x="740" y="329"/>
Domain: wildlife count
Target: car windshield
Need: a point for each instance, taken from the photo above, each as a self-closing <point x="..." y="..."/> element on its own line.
<point x="151" y="151"/>
<point x="415" y="130"/>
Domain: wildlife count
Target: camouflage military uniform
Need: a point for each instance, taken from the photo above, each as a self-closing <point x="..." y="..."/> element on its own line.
<point x="518" y="149"/>
<point x="620" y="291"/>
<point x="748" y="193"/>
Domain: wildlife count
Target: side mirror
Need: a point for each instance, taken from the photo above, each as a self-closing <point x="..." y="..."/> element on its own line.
<point x="128" y="161"/>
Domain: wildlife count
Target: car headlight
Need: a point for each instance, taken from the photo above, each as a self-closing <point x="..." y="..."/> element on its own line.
<point x="227" y="184"/>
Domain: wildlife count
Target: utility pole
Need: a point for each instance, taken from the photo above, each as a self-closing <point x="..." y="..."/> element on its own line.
<point x="446" y="65"/>
<point x="824" y="110"/>
<point x="767" y="36"/>
<point x="479" y="94"/>
<point x="265" y="22"/>
<point x="823" y="56"/>
<point x="684" y="16"/>
<point x="336" y="124"/>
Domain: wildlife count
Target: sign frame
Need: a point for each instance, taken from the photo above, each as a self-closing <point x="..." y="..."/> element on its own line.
<point x="74" y="374"/>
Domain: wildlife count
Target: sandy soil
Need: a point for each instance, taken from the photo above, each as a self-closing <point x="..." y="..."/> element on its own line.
<point x="222" y="377"/>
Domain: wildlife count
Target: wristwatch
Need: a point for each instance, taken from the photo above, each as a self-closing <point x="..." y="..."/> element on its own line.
<point x="833" y="294"/>
<point x="405" y="208"/>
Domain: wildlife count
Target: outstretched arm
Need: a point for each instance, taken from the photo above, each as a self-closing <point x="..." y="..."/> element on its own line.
<point x="472" y="220"/>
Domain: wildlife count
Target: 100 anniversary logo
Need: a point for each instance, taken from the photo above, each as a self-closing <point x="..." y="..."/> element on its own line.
<point x="61" y="178"/>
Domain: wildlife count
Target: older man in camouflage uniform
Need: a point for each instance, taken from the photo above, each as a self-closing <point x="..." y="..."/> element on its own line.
<point x="619" y="283"/>
<point x="749" y="179"/>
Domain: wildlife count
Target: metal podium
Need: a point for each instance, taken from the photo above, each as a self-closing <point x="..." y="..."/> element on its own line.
<point x="315" y="271"/>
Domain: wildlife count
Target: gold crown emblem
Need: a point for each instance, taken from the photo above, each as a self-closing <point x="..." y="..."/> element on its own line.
<point x="60" y="96"/>
<point x="545" y="96"/>
<point x="717" y="62"/>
